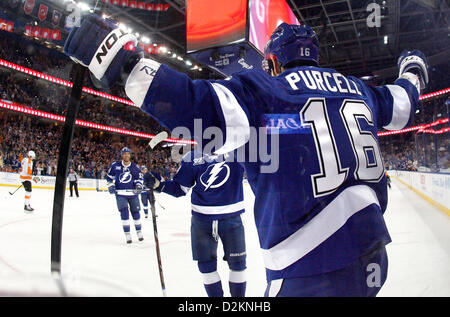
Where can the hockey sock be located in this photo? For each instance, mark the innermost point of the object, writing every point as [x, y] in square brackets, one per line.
[211, 278]
[237, 280]
[237, 283]
[212, 283]
[27, 198]
[126, 226]
[137, 221]
[125, 220]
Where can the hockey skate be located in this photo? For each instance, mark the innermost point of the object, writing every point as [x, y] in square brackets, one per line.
[128, 237]
[140, 235]
[27, 209]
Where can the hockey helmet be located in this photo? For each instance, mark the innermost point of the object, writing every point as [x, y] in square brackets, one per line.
[31, 154]
[125, 150]
[290, 43]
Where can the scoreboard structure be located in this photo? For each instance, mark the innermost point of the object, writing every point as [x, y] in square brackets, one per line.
[230, 35]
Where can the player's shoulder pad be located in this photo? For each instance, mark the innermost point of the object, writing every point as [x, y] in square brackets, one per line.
[115, 163]
[252, 75]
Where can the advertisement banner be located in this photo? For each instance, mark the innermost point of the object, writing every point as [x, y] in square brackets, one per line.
[48, 182]
[433, 187]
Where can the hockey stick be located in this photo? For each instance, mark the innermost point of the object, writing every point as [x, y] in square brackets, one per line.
[143, 191]
[157, 139]
[61, 172]
[15, 190]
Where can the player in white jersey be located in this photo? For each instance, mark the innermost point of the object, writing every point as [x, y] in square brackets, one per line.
[26, 172]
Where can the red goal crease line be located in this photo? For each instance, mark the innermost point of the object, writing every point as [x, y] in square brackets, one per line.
[86, 124]
[66, 83]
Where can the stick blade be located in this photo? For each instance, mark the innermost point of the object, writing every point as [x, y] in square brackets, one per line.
[158, 139]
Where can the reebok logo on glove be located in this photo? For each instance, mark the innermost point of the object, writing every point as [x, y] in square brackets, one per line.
[148, 70]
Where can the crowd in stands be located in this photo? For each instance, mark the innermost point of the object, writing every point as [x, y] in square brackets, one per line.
[92, 152]
[27, 53]
[48, 97]
[420, 151]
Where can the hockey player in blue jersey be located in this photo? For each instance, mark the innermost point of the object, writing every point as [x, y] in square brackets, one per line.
[125, 180]
[217, 202]
[319, 216]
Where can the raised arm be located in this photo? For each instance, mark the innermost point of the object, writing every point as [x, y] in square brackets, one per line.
[169, 96]
[396, 104]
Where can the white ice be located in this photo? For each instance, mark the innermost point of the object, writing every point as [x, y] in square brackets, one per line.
[97, 261]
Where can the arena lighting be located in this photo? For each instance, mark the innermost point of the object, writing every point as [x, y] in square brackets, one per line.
[86, 124]
[418, 128]
[19, 108]
[64, 82]
[83, 6]
[441, 131]
[435, 94]
[57, 80]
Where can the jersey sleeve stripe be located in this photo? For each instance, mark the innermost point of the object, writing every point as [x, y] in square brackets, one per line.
[140, 79]
[237, 126]
[320, 228]
[401, 108]
[185, 189]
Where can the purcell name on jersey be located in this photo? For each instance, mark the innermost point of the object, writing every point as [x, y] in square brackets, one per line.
[313, 213]
[124, 177]
[217, 190]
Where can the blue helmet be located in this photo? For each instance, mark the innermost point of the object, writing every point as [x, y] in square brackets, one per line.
[290, 43]
[124, 150]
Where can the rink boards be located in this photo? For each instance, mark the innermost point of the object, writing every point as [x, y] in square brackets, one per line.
[433, 187]
[48, 182]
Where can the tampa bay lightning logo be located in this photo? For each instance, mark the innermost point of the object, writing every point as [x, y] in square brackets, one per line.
[125, 177]
[215, 175]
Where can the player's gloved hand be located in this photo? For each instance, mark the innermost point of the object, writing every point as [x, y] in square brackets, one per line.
[414, 62]
[153, 181]
[138, 188]
[99, 45]
[112, 189]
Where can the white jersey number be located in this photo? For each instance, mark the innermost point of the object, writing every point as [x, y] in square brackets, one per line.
[332, 175]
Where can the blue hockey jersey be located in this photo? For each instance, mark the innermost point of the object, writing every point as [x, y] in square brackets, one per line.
[124, 177]
[323, 206]
[216, 184]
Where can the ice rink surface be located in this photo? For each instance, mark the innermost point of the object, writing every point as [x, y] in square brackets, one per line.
[96, 261]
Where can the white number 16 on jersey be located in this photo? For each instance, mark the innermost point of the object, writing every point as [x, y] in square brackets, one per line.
[332, 174]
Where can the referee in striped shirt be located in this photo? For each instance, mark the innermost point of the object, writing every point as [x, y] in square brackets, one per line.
[73, 181]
